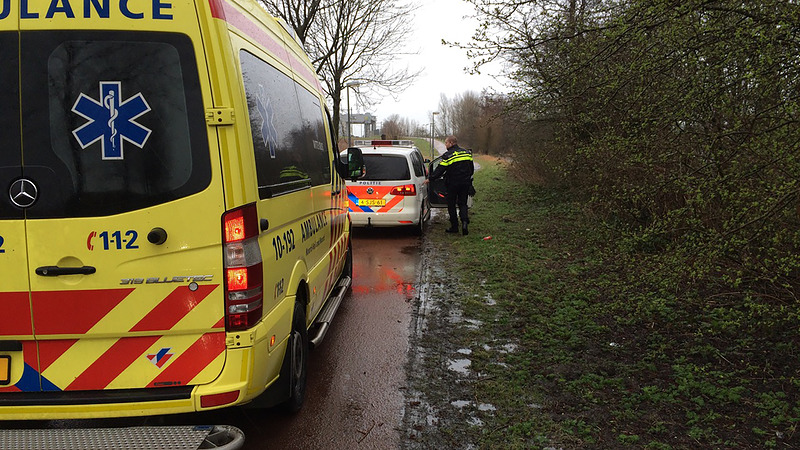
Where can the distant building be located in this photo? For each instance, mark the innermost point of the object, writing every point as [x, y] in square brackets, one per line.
[368, 120]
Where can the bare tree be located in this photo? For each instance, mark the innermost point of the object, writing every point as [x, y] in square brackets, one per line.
[299, 14]
[445, 115]
[466, 113]
[352, 42]
[393, 127]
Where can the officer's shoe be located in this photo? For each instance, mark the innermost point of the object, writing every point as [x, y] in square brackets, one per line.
[452, 229]
[464, 229]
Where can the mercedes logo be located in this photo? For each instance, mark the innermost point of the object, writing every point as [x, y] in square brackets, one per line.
[370, 191]
[23, 192]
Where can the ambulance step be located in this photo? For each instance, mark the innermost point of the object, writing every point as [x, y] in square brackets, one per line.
[329, 310]
[188, 437]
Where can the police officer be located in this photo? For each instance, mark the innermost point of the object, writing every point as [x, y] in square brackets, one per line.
[457, 169]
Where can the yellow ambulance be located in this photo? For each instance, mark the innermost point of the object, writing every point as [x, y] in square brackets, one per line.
[174, 233]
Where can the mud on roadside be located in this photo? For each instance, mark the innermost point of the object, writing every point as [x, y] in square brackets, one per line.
[441, 408]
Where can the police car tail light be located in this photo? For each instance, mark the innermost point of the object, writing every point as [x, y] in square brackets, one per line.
[406, 189]
[244, 275]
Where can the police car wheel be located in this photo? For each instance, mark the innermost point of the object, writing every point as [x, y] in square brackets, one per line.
[419, 229]
[297, 359]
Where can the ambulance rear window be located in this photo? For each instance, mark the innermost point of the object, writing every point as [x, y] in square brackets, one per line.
[386, 168]
[111, 121]
[10, 151]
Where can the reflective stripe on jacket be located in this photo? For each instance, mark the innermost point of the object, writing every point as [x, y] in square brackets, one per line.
[456, 167]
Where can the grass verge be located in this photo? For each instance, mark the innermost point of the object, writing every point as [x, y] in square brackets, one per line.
[575, 340]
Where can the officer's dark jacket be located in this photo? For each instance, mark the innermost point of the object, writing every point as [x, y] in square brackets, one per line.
[456, 166]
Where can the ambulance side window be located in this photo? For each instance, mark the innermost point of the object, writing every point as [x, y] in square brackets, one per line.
[316, 155]
[289, 140]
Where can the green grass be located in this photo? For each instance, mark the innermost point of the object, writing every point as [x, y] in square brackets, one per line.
[613, 347]
[424, 146]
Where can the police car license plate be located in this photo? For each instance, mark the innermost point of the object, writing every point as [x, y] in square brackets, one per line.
[5, 369]
[371, 202]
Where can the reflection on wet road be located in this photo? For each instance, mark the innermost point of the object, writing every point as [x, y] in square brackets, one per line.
[356, 380]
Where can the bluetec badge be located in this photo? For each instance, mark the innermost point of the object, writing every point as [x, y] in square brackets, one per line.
[110, 120]
[268, 132]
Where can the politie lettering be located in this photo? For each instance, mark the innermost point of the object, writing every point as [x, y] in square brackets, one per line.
[102, 9]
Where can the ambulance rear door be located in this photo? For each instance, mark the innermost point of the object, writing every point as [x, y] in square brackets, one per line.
[16, 331]
[123, 235]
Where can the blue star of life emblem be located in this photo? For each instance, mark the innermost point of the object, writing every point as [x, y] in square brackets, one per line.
[268, 132]
[111, 121]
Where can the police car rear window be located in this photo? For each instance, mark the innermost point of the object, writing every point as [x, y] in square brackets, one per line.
[386, 168]
[111, 121]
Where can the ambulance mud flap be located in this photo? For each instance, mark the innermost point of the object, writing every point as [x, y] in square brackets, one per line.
[326, 316]
[133, 438]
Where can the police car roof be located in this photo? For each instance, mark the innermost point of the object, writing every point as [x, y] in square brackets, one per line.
[383, 143]
[404, 147]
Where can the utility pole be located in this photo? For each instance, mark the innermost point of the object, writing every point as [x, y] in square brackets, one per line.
[350, 84]
[433, 130]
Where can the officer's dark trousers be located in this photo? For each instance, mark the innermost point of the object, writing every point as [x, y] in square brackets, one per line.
[457, 196]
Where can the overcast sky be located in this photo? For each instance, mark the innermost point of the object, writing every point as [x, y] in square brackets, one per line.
[442, 66]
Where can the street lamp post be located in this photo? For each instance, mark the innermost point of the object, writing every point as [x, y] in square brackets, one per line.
[346, 86]
[433, 129]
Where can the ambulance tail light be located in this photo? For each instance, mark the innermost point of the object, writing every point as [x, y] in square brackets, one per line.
[406, 189]
[244, 275]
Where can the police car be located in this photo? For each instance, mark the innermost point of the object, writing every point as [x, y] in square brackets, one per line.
[392, 191]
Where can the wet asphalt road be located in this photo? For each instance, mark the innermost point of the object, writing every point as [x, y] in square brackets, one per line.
[357, 376]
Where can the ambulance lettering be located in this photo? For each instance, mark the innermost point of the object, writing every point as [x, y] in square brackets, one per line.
[102, 9]
[283, 244]
[192, 279]
[313, 225]
[111, 121]
[114, 239]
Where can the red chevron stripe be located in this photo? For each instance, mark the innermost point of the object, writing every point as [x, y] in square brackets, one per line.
[73, 312]
[173, 308]
[192, 361]
[30, 353]
[50, 351]
[112, 363]
[391, 203]
[16, 317]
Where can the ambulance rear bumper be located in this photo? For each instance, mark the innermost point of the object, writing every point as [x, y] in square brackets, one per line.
[69, 398]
